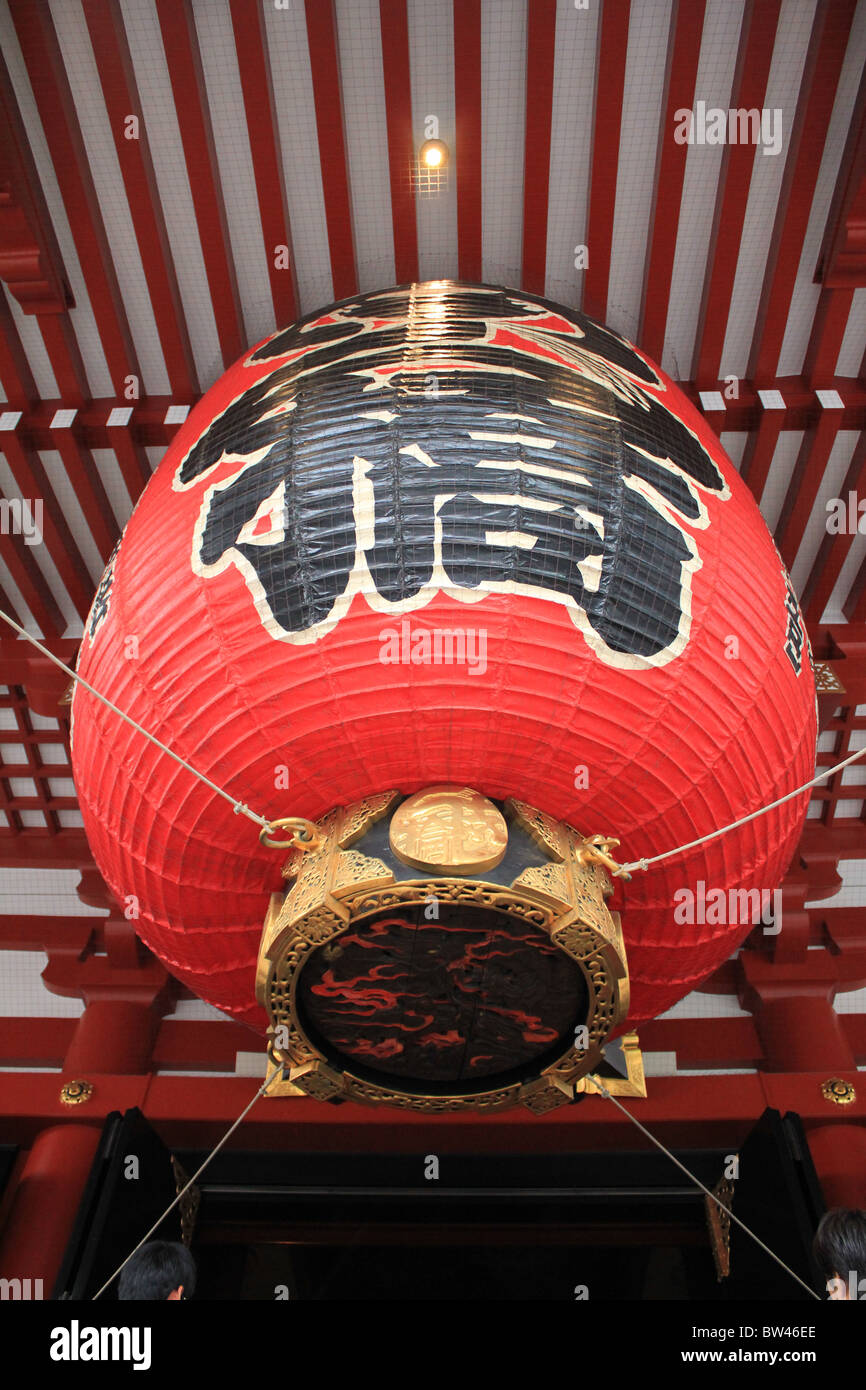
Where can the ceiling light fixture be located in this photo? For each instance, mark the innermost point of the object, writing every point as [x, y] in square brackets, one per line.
[434, 154]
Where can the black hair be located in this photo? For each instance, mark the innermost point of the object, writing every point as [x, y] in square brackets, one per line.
[156, 1270]
[839, 1246]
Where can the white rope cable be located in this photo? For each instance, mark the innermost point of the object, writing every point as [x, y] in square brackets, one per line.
[242, 1116]
[659, 1145]
[714, 834]
[238, 807]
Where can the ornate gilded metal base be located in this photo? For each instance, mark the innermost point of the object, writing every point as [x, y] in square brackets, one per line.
[719, 1225]
[632, 1083]
[443, 952]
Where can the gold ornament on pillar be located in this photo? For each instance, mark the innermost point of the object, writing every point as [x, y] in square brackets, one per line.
[76, 1092]
[839, 1092]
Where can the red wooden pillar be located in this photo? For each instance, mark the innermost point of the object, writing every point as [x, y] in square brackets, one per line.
[799, 1029]
[802, 1032]
[839, 1155]
[114, 1036]
[45, 1205]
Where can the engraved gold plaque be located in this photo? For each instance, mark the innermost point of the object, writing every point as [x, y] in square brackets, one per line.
[449, 829]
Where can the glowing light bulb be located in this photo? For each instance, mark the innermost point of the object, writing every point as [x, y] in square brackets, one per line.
[434, 154]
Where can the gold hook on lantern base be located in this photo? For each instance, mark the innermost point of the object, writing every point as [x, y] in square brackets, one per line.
[595, 849]
[306, 834]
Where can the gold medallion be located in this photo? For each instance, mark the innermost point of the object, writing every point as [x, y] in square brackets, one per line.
[839, 1092]
[449, 829]
[76, 1092]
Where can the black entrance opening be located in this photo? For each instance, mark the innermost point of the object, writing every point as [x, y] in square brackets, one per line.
[344, 1226]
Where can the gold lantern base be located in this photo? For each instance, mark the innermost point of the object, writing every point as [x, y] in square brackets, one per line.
[450, 847]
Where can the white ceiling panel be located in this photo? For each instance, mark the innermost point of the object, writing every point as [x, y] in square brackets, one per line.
[718, 57]
[225, 102]
[848, 573]
[734, 444]
[86, 89]
[299, 140]
[816, 528]
[16, 598]
[783, 86]
[648, 33]
[570, 148]
[779, 475]
[114, 484]
[853, 347]
[169, 164]
[73, 512]
[805, 297]
[362, 78]
[431, 59]
[33, 344]
[22, 992]
[83, 321]
[503, 136]
[41, 557]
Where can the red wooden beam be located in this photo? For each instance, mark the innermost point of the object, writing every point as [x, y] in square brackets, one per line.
[703, 1042]
[748, 90]
[34, 590]
[824, 61]
[29, 473]
[8, 607]
[30, 261]
[801, 409]
[186, 75]
[89, 487]
[39, 849]
[35, 932]
[190, 1112]
[43, 801]
[805, 484]
[540, 58]
[609, 88]
[120, 93]
[16, 667]
[758, 454]
[64, 354]
[15, 373]
[397, 77]
[189, 1044]
[10, 814]
[27, 1042]
[328, 98]
[825, 340]
[842, 259]
[833, 550]
[132, 460]
[467, 111]
[854, 606]
[41, 50]
[147, 424]
[684, 49]
[193, 1044]
[255, 73]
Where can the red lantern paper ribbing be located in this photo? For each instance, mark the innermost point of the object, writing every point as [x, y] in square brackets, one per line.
[451, 535]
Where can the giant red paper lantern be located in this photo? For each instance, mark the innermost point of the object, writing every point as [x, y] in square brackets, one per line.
[437, 459]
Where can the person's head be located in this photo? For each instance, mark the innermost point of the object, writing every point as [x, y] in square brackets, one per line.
[162, 1269]
[839, 1248]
